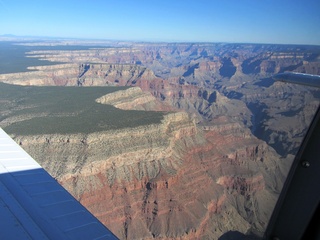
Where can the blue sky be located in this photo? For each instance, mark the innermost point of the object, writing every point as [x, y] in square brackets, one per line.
[257, 21]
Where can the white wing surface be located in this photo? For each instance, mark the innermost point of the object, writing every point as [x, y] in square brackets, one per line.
[33, 205]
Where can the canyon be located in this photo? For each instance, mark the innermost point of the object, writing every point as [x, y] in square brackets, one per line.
[210, 160]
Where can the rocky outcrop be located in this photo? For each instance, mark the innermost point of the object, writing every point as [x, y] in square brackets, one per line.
[56, 75]
[170, 180]
[134, 99]
[80, 75]
[115, 143]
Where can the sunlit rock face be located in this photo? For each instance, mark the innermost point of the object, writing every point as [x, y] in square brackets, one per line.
[134, 99]
[218, 159]
[79, 75]
[168, 180]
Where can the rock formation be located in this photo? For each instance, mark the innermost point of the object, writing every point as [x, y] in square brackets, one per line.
[171, 180]
[216, 161]
[134, 99]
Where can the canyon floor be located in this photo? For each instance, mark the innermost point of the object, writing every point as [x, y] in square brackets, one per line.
[162, 140]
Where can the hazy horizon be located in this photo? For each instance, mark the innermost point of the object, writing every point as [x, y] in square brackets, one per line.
[100, 41]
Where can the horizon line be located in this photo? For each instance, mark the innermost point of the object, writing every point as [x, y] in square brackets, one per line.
[34, 37]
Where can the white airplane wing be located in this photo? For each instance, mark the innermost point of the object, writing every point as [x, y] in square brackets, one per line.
[33, 205]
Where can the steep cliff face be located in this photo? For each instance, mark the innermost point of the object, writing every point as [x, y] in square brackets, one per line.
[80, 75]
[168, 180]
[57, 75]
[123, 75]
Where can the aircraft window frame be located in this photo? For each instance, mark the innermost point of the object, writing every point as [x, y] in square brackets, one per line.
[296, 208]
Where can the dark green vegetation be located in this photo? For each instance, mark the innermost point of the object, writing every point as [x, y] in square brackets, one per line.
[48, 110]
[13, 57]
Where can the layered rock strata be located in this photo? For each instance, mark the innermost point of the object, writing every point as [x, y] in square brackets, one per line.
[170, 180]
[134, 99]
[179, 179]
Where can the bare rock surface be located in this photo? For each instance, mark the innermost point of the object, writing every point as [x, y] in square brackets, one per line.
[134, 99]
[171, 180]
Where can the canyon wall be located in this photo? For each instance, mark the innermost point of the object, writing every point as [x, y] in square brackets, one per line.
[172, 180]
[215, 163]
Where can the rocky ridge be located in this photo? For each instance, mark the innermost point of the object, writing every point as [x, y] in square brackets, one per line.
[134, 99]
